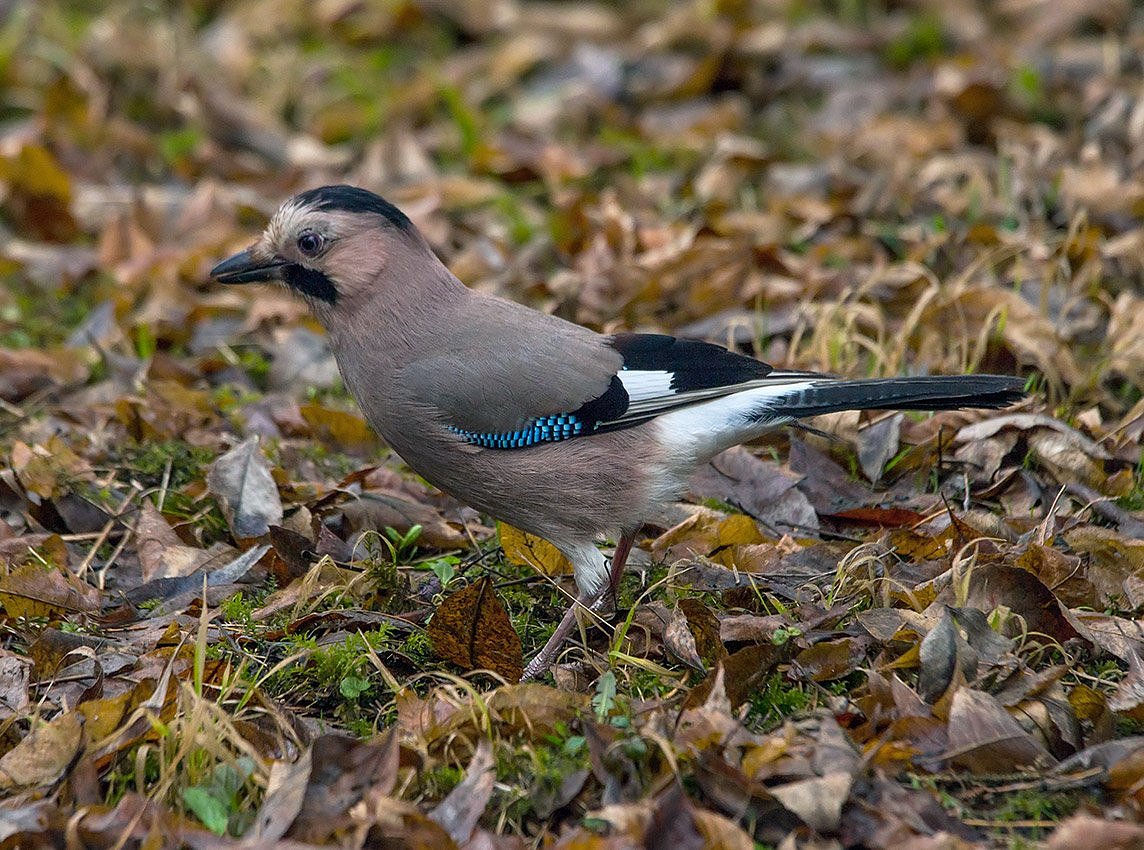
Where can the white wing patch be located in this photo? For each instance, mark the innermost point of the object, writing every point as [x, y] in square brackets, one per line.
[642, 384]
[700, 431]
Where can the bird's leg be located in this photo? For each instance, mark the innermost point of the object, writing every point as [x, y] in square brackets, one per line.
[551, 649]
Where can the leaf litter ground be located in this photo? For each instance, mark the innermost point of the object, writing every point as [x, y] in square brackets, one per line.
[230, 614]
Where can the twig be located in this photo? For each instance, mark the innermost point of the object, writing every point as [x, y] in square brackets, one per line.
[81, 571]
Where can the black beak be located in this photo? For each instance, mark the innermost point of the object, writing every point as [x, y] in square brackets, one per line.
[244, 268]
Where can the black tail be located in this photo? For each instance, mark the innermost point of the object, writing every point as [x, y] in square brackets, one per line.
[945, 392]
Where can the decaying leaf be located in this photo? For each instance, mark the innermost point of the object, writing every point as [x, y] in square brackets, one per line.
[459, 811]
[472, 629]
[43, 755]
[242, 482]
[34, 590]
[984, 738]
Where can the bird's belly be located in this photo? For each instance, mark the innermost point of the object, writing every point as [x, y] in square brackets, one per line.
[583, 486]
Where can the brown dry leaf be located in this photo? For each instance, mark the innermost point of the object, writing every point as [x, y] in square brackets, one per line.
[994, 585]
[376, 510]
[680, 642]
[818, 800]
[472, 629]
[751, 628]
[719, 833]
[342, 772]
[741, 671]
[246, 490]
[103, 716]
[535, 708]
[1129, 695]
[984, 738]
[1062, 574]
[462, 807]
[877, 444]
[704, 533]
[829, 659]
[705, 629]
[1115, 558]
[528, 550]
[942, 654]
[1115, 635]
[1027, 333]
[162, 553]
[15, 673]
[1081, 831]
[761, 488]
[34, 590]
[285, 795]
[825, 483]
[43, 754]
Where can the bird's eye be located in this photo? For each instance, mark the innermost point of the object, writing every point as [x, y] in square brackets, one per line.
[309, 243]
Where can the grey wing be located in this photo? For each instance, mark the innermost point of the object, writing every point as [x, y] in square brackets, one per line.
[512, 367]
[517, 378]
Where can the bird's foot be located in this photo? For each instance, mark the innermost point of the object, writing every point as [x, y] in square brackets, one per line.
[551, 650]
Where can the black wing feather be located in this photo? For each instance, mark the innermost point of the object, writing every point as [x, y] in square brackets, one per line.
[693, 364]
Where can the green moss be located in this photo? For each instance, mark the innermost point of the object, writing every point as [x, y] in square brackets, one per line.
[923, 39]
[775, 700]
[1031, 805]
[149, 461]
[1133, 500]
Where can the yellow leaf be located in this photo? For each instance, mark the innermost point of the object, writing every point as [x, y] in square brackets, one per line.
[342, 428]
[36, 172]
[527, 550]
[737, 529]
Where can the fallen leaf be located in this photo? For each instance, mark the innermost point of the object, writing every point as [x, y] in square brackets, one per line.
[15, 673]
[1087, 831]
[342, 772]
[336, 426]
[37, 591]
[818, 801]
[680, 642]
[285, 796]
[877, 444]
[472, 629]
[246, 490]
[462, 807]
[43, 754]
[528, 550]
[984, 738]
[705, 629]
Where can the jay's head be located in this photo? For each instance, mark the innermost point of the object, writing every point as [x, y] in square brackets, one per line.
[329, 245]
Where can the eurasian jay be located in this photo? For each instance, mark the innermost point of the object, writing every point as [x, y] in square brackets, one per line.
[560, 431]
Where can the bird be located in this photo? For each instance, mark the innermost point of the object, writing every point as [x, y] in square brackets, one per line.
[549, 426]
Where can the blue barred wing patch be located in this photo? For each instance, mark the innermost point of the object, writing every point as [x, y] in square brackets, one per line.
[543, 429]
